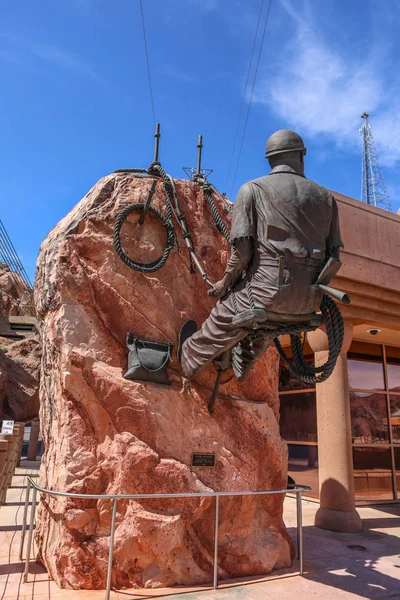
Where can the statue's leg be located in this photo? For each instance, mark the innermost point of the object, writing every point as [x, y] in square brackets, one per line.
[217, 335]
[249, 350]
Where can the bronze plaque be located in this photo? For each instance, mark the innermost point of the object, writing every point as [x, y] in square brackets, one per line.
[203, 459]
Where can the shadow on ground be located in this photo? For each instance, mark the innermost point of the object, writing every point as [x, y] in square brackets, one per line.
[366, 563]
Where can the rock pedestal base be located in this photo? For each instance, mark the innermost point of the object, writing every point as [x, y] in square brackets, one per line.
[106, 435]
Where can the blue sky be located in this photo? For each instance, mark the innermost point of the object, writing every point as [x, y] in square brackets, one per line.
[75, 101]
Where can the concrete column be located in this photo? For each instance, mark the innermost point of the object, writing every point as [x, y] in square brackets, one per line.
[20, 428]
[335, 461]
[33, 440]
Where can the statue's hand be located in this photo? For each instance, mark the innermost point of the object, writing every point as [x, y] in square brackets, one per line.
[219, 289]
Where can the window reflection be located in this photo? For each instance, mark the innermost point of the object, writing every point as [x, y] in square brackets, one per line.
[397, 467]
[288, 383]
[369, 420]
[393, 368]
[298, 417]
[365, 375]
[372, 473]
[394, 377]
[303, 466]
[395, 418]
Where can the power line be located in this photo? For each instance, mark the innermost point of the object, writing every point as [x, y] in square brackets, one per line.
[244, 94]
[251, 95]
[148, 63]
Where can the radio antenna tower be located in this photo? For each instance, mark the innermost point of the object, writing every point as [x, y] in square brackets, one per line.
[373, 185]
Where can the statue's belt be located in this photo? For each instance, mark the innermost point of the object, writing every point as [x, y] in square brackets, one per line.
[270, 261]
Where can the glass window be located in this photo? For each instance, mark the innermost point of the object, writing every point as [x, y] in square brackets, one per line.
[393, 368]
[372, 473]
[288, 383]
[397, 467]
[303, 467]
[298, 417]
[395, 418]
[365, 375]
[369, 420]
[365, 365]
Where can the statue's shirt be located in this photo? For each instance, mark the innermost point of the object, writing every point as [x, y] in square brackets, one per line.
[287, 215]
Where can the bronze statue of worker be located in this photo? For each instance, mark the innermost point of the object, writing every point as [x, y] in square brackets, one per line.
[284, 230]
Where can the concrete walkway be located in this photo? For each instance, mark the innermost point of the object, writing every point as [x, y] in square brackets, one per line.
[332, 568]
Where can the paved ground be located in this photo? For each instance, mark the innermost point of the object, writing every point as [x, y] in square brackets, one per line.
[333, 570]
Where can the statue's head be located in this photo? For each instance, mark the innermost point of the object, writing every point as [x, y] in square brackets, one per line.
[286, 147]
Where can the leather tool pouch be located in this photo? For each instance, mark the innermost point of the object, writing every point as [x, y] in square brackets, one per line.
[147, 360]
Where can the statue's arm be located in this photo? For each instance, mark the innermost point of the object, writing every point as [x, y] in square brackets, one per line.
[241, 254]
[242, 235]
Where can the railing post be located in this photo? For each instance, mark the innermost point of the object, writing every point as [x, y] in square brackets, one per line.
[299, 531]
[110, 552]
[215, 580]
[30, 536]
[28, 493]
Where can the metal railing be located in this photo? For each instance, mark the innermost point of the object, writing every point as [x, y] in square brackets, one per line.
[298, 490]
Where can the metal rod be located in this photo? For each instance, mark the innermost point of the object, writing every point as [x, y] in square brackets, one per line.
[200, 268]
[157, 135]
[148, 202]
[215, 580]
[199, 147]
[14, 254]
[297, 525]
[337, 294]
[299, 532]
[215, 392]
[303, 488]
[297, 490]
[30, 536]
[110, 552]
[28, 493]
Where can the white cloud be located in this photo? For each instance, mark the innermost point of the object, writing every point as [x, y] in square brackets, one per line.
[322, 90]
[175, 73]
[51, 54]
[66, 60]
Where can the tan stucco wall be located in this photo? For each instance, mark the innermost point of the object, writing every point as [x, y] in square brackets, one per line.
[371, 262]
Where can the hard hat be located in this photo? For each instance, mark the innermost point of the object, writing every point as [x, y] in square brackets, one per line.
[284, 140]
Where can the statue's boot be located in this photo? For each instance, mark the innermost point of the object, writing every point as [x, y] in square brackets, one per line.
[187, 330]
[249, 350]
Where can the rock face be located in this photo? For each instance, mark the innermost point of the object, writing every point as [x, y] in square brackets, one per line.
[19, 360]
[15, 296]
[104, 434]
[19, 378]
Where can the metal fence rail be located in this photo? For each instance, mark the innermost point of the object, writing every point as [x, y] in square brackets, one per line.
[298, 490]
[9, 256]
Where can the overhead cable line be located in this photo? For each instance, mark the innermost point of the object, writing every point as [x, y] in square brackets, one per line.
[251, 95]
[244, 94]
[148, 63]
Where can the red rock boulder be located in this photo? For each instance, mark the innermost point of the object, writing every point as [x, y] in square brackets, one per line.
[104, 434]
[19, 378]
